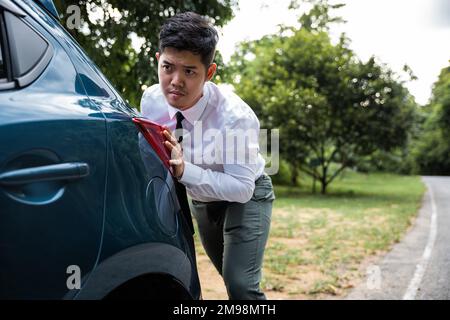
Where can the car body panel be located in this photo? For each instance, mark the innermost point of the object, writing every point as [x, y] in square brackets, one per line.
[71, 113]
[50, 122]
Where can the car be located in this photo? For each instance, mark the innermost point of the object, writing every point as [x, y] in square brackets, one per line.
[88, 209]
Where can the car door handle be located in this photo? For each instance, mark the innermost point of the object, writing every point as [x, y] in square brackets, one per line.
[61, 171]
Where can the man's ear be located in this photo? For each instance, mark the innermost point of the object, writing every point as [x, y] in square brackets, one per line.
[211, 71]
[157, 56]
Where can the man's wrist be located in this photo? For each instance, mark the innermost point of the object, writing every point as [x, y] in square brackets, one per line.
[191, 174]
[178, 177]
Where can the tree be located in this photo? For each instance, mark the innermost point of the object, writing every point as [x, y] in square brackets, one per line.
[331, 108]
[319, 17]
[108, 27]
[432, 149]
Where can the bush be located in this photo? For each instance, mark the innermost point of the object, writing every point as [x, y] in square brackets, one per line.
[397, 161]
[283, 177]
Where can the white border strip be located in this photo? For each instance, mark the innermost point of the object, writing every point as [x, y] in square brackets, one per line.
[413, 287]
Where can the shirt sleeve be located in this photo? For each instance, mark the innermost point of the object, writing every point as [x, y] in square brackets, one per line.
[237, 181]
[235, 184]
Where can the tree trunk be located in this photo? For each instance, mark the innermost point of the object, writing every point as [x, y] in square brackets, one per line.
[324, 186]
[323, 179]
[294, 175]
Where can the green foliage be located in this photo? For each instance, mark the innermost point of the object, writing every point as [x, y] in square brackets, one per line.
[395, 161]
[107, 37]
[431, 150]
[283, 177]
[330, 107]
[319, 17]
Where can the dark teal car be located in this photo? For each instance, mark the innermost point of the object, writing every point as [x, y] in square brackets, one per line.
[88, 210]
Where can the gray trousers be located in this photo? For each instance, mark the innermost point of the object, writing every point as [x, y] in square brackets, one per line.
[234, 236]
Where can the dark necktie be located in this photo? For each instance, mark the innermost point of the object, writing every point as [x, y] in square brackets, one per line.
[179, 187]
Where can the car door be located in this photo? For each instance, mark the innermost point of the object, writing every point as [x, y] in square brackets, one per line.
[52, 164]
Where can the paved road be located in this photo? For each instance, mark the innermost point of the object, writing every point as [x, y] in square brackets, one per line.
[419, 266]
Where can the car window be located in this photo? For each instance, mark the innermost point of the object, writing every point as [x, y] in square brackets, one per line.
[26, 45]
[90, 76]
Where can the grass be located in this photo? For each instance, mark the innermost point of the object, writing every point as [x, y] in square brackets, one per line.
[318, 244]
[323, 239]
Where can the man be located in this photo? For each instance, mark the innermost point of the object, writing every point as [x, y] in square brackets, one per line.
[231, 200]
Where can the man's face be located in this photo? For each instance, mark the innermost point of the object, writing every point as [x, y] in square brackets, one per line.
[182, 76]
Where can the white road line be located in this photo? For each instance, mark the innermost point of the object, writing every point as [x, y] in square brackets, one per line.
[413, 287]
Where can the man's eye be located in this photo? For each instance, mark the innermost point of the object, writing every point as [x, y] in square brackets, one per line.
[166, 67]
[190, 72]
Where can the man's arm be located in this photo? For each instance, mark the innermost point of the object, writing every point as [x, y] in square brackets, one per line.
[235, 184]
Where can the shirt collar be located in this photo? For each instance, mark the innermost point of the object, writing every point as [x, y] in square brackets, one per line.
[193, 113]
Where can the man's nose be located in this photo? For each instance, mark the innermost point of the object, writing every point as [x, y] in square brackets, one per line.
[177, 80]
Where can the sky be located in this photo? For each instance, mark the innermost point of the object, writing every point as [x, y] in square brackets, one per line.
[397, 32]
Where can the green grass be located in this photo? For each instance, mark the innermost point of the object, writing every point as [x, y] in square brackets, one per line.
[330, 235]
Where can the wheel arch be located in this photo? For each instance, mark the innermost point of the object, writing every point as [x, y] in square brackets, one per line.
[144, 262]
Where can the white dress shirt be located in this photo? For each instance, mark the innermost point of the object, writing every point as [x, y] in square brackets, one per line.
[216, 167]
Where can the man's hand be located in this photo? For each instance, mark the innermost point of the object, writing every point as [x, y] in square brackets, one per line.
[176, 153]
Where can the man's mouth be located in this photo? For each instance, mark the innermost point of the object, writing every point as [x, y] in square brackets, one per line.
[176, 93]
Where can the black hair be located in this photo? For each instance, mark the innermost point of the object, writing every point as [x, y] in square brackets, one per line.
[192, 32]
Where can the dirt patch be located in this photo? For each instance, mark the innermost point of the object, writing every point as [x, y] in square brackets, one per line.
[297, 265]
[211, 282]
